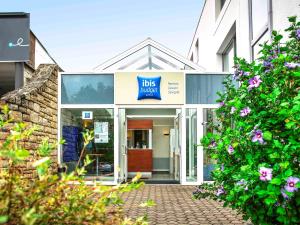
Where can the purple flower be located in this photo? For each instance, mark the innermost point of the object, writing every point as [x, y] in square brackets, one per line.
[291, 184]
[298, 34]
[221, 104]
[265, 173]
[230, 150]
[232, 110]
[258, 136]
[239, 73]
[283, 193]
[212, 144]
[243, 183]
[245, 111]
[222, 167]
[292, 65]
[254, 82]
[267, 63]
[220, 191]
[198, 191]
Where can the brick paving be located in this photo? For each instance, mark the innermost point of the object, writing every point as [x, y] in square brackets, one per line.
[174, 205]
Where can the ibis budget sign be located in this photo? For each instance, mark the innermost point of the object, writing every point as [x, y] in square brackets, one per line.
[149, 88]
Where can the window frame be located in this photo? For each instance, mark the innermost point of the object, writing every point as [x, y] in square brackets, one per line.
[232, 43]
[266, 28]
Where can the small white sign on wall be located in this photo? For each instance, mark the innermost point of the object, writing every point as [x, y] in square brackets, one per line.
[87, 115]
[101, 132]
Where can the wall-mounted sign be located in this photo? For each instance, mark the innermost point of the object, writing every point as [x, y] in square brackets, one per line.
[14, 37]
[101, 132]
[87, 115]
[170, 90]
[149, 88]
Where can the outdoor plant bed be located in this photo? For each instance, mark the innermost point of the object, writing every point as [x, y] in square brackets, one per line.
[51, 198]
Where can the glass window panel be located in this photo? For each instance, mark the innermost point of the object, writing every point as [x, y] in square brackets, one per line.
[203, 88]
[228, 58]
[257, 48]
[191, 145]
[209, 118]
[100, 149]
[259, 16]
[87, 89]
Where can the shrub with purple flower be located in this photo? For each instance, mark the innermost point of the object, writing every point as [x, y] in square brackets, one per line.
[258, 149]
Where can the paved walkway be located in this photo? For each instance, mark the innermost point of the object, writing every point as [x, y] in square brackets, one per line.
[174, 205]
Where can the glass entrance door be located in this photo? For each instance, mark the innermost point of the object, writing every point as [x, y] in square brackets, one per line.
[177, 145]
[191, 145]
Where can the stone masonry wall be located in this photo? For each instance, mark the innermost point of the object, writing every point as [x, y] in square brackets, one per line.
[35, 104]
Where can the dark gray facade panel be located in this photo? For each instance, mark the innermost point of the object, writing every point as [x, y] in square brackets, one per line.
[14, 37]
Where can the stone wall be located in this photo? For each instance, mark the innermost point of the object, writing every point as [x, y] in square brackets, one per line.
[35, 104]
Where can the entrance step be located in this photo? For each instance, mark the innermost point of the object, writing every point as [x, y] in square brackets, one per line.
[146, 181]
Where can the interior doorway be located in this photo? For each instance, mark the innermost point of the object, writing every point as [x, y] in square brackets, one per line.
[150, 144]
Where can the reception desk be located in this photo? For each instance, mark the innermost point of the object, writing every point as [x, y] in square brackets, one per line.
[140, 160]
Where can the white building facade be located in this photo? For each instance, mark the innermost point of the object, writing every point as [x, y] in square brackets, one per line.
[228, 28]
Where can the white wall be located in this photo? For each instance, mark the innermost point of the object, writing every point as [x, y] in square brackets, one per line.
[41, 56]
[283, 9]
[161, 143]
[215, 29]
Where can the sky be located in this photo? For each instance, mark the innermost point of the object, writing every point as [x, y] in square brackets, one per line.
[81, 34]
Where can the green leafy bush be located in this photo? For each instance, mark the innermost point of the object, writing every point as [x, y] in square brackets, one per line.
[256, 143]
[50, 199]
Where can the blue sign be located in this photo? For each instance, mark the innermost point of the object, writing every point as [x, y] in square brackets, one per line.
[149, 88]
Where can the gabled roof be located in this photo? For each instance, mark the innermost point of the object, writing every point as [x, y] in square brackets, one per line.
[150, 55]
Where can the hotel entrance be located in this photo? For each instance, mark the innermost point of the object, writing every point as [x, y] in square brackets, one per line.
[148, 109]
[150, 143]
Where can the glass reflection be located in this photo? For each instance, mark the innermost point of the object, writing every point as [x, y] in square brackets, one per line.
[87, 89]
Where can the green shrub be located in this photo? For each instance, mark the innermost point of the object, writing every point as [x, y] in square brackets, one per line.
[256, 143]
[50, 199]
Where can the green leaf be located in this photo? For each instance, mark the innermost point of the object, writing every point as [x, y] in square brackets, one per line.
[296, 74]
[275, 181]
[270, 200]
[22, 154]
[41, 161]
[292, 19]
[278, 37]
[148, 203]
[3, 219]
[288, 173]
[267, 135]
[262, 193]
[280, 210]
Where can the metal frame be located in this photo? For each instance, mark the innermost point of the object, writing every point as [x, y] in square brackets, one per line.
[145, 43]
[116, 108]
